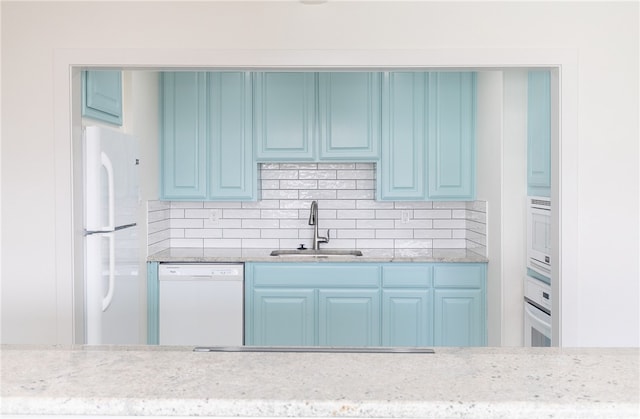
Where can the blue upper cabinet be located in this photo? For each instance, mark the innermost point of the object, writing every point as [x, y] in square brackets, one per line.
[232, 171]
[451, 140]
[207, 143]
[402, 169]
[539, 133]
[349, 115]
[102, 95]
[428, 137]
[184, 137]
[284, 119]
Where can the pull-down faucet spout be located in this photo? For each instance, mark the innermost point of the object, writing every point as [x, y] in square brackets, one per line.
[313, 220]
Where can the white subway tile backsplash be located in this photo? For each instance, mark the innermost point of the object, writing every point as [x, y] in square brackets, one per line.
[394, 234]
[280, 194]
[317, 174]
[223, 243]
[449, 243]
[355, 234]
[357, 214]
[279, 213]
[388, 214]
[279, 174]
[244, 233]
[298, 184]
[241, 213]
[337, 184]
[268, 184]
[260, 243]
[280, 233]
[204, 233]
[432, 234]
[187, 223]
[375, 224]
[375, 243]
[260, 223]
[346, 199]
[413, 243]
[264, 203]
[432, 214]
[449, 224]
[317, 194]
[355, 174]
[355, 194]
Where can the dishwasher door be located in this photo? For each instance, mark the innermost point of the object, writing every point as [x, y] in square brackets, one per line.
[201, 304]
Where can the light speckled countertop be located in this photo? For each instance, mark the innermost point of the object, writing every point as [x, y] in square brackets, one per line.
[470, 383]
[186, 254]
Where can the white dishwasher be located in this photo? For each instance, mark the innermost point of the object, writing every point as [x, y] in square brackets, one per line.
[201, 304]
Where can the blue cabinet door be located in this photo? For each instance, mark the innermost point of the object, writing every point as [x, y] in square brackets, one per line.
[285, 108]
[232, 171]
[349, 115]
[401, 174]
[407, 317]
[283, 317]
[539, 133]
[460, 313]
[102, 95]
[451, 139]
[407, 304]
[349, 317]
[184, 137]
[459, 317]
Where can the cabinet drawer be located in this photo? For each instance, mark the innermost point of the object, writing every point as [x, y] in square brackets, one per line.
[459, 275]
[316, 275]
[407, 275]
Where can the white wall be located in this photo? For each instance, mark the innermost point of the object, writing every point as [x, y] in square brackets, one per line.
[599, 150]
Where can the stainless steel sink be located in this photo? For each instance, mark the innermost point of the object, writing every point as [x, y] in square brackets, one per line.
[322, 253]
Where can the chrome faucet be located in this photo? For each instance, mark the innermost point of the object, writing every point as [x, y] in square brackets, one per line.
[313, 221]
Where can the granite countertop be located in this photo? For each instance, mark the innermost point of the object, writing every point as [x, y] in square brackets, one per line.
[453, 382]
[186, 254]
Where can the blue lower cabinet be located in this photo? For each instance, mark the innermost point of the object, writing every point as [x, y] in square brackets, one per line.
[365, 304]
[459, 301]
[407, 317]
[459, 318]
[283, 317]
[349, 317]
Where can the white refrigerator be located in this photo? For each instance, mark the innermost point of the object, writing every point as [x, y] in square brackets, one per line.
[111, 195]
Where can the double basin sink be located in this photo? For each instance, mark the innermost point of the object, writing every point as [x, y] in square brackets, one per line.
[318, 254]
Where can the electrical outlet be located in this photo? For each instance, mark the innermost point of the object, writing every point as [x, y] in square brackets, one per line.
[214, 216]
[406, 216]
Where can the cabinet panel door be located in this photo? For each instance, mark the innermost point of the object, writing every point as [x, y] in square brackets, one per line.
[284, 116]
[102, 95]
[184, 139]
[539, 133]
[407, 317]
[349, 317]
[402, 169]
[232, 171]
[459, 317]
[283, 317]
[451, 150]
[349, 115]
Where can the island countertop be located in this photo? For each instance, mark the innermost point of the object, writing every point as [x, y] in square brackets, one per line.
[214, 255]
[452, 382]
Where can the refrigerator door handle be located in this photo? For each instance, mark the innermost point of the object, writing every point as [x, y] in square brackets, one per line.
[106, 163]
[106, 301]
